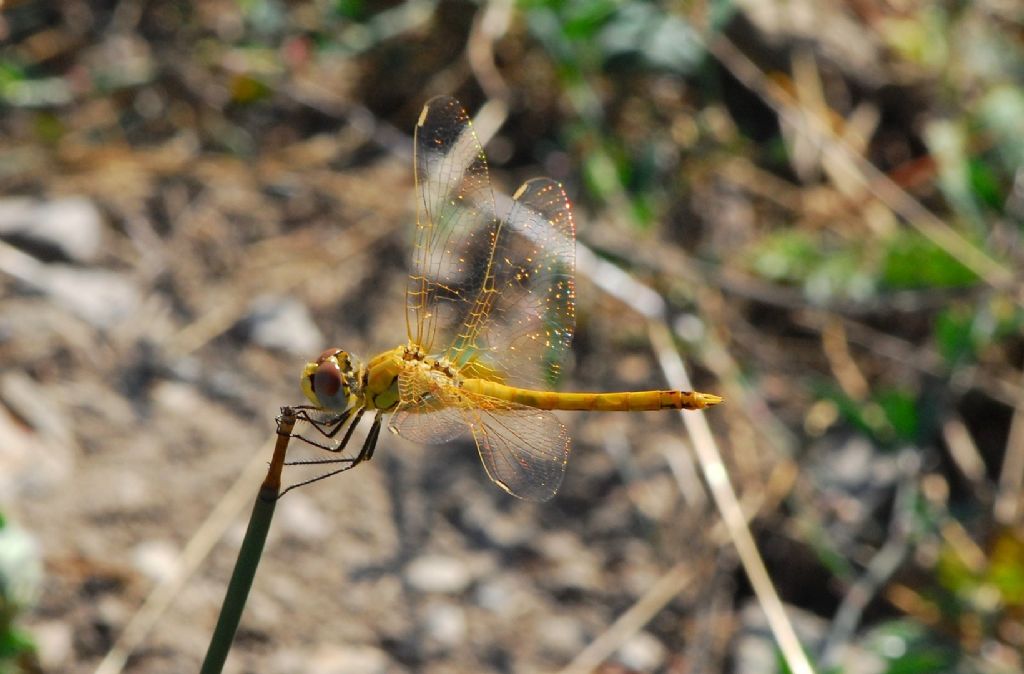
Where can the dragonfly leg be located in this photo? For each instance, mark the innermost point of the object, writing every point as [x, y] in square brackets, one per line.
[365, 453]
[370, 444]
[327, 428]
[348, 466]
[331, 429]
[351, 428]
[317, 462]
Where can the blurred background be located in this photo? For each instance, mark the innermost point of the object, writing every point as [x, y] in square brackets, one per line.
[823, 201]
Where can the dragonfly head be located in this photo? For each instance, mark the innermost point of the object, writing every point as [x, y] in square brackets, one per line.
[332, 380]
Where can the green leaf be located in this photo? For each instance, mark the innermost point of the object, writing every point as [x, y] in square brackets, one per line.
[599, 174]
[913, 261]
[925, 661]
[909, 648]
[889, 417]
[10, 73]
[786, 255]
[1006, 568]
[852, 411]
[351, 9]
[985, 185]
[642, 209]
[585, 19]
[901, 411]
[13, 644]
[953, 333]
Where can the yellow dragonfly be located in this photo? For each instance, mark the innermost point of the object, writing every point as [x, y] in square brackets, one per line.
[489, 315]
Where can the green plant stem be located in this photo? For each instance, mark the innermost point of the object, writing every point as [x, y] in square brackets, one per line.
[249, 554]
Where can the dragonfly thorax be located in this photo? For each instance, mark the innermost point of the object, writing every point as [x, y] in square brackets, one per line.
[443, 365]
[334, 381]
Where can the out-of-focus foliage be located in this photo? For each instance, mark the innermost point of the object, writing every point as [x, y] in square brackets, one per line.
[905, 647]
[20, 580]
[598, 44]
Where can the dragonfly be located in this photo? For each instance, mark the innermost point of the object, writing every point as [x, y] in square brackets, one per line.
[490, 314]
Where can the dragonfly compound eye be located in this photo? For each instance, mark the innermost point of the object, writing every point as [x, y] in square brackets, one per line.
[332, 380]
[331, 353]
[327, 381]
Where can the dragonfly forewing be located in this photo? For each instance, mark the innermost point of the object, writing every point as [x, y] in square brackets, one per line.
[524, 328]
[491, 289]
[454, 222]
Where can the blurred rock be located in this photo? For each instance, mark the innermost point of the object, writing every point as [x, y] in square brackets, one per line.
[502, 595]
[445, 623]
[560, 636]
[354, 659]
[848, 465]
[68, 228]
[438, 573]
[53, 643]
[572, 565]
[643, 652]
[158, 560]
[102, 298]
[505, 528]
[301, 517]
[284, 324]
[176, 398]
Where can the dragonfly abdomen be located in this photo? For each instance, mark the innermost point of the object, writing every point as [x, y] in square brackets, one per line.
[625, 401]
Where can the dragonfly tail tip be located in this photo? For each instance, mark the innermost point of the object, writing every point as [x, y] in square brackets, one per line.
[709, 399]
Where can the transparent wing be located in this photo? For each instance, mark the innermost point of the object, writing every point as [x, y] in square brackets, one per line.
[492, 292]
[522, 324]
[454, 223]
[429, 411]
[524, 450]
